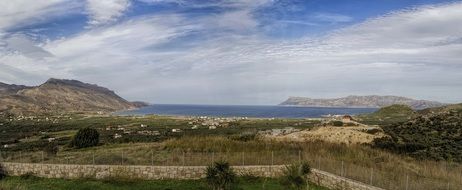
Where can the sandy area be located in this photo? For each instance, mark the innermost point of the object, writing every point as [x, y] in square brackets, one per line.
[346, 135]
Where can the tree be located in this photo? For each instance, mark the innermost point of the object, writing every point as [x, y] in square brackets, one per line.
[295, 175]
[86, 137]
[220, 176]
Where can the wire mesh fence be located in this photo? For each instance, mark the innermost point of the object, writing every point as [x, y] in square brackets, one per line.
[445, 176]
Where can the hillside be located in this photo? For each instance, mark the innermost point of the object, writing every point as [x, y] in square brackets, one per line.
[434, 133]
[9, 89]
[361, 102]
[388, 115]
[57, 95]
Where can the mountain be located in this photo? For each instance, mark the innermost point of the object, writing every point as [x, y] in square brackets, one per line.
[56, 95]
[9, 89]
[361, 102]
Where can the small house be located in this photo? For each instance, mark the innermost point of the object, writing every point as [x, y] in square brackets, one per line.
[116, 136]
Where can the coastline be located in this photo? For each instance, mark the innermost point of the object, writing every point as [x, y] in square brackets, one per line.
[242, 111]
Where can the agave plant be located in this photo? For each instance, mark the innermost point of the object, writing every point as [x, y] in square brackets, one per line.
[220, 176]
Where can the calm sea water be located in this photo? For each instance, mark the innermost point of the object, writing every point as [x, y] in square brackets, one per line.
[243, 111]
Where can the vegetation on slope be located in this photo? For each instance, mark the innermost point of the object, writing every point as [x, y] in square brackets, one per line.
[433, 134]
[388, 115]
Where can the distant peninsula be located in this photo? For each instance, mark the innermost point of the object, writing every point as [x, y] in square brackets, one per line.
[372, 101]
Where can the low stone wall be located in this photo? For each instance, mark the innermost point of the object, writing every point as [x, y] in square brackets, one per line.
[127, 171]
[167, 172]
[332, 181]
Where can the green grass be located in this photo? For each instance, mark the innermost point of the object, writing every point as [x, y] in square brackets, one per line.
[35, 183]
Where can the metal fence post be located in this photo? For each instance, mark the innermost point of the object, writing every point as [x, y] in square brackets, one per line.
[319, 163]
[122, 162]
[272, 158]
[183, 158]
[300, 156]
[243, 161]
[93, 154]
[372, 171]
[152, 157]
[407, 181]
[43, 159]
[341, 171]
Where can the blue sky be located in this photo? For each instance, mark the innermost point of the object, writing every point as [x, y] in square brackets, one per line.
[237, 51]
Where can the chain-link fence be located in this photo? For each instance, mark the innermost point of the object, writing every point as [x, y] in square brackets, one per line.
[446, 176]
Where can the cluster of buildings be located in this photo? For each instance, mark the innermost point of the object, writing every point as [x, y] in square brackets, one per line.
[213, 122]
[54, 119]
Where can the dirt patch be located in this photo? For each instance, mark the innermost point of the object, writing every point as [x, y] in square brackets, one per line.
[345, 135]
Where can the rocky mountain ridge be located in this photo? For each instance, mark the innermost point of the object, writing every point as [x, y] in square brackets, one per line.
[372, 101]
[60, 95]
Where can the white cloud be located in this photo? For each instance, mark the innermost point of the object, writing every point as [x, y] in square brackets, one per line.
[21, 43]
[401, 53]
[105, 11]
[23, 12]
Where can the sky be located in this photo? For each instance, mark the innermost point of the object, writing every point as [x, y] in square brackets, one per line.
[257, 52]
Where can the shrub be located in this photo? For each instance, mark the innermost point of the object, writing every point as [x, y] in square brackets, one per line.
[373, 131]
[243, 137]
[51, 149]
[249, 177]
[86, 137]
[220, 176]
[337, 123]
[295, 175]
[2, 172]
[28, 175]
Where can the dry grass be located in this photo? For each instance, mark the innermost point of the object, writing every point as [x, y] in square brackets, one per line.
[388, 170]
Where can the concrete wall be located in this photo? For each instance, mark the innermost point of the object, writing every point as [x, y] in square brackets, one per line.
[167, 172]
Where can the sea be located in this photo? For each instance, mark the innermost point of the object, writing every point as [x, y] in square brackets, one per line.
[244, 111]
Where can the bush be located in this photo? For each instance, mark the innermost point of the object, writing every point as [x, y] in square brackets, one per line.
[337, 123]
[28, 175]
[220, 176]
[86, 137]
[51, 149]
[243, 137]
[2, 172]
[295, 175]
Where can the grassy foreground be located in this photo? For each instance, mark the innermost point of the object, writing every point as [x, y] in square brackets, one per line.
[35, 183]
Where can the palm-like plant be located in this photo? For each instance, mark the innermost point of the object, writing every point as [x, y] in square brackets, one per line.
[295, 175]
[220, 176]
